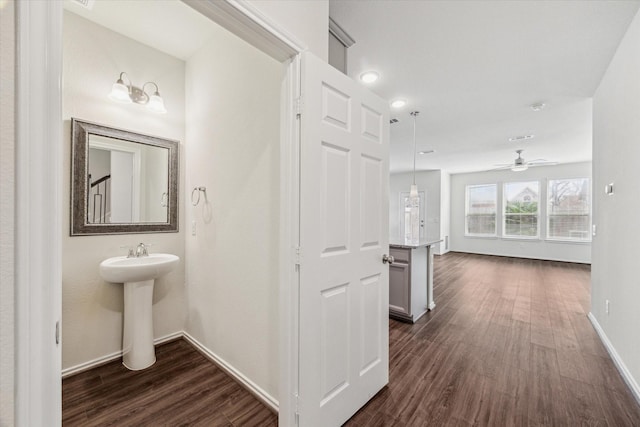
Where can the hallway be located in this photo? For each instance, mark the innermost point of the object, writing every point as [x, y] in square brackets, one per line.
[508, 344]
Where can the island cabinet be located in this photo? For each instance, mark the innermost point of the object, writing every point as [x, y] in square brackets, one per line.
[411, 280]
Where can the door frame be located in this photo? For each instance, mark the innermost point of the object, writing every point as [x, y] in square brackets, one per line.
[38, 212]
[38, 244]
[137, 156]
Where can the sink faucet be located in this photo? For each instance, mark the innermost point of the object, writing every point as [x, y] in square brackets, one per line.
[141, 250]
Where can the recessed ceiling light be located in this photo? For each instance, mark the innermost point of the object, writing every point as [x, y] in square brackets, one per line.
[369, 77]
[538, 106]
[398, 103]
[426, 152]
[520, 138]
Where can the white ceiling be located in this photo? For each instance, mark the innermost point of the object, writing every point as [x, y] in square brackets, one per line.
[168, 26]
[473, 68]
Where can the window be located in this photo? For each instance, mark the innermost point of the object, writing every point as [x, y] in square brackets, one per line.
[568, 209]
[481, 210]
[521, 209]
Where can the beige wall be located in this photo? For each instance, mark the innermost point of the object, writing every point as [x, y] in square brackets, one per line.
[307, 21]
[92, 308]
[616, 150]
[233, 137]
[7, 169]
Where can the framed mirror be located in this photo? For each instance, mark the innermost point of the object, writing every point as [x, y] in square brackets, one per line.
[122, 182]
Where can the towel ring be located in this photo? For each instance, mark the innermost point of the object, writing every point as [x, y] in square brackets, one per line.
[197, 191]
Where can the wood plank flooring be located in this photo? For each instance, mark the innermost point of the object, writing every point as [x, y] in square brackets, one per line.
[508, 344]
[183, 388]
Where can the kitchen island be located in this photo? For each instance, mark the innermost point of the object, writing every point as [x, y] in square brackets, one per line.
[411, 279]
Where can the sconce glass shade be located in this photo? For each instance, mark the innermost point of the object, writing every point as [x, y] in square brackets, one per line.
[120, 92]
[156, 104]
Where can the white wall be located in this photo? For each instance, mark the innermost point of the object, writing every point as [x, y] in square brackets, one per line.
[307, 21]
[233, 137]
[616, 150]
[7, 180]
[91, 308]
[431, 183]
[539, 249]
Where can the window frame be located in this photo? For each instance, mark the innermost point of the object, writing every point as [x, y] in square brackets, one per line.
[503, 208]
[588, 238]
[466, 212]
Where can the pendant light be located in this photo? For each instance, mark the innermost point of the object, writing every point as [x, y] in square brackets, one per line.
[414, 187]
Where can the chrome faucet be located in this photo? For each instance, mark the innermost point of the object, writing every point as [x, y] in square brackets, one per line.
[141, 250]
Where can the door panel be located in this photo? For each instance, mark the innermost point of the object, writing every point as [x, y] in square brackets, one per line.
[344, 286]
[371, 322]
[335, 198]
[370, 193]
[335, 341]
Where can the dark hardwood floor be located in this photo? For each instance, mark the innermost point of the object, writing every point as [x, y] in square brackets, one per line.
[183, 388]
[508, 344]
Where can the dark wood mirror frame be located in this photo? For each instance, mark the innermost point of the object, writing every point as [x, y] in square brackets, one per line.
[80, 131]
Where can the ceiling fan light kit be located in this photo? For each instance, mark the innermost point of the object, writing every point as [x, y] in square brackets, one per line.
[520, 164]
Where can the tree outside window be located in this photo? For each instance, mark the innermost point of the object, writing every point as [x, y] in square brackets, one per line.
[569, 209]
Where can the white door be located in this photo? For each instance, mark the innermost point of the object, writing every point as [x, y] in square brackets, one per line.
[344, 233]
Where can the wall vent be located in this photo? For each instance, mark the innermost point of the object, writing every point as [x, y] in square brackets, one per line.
[87, 4]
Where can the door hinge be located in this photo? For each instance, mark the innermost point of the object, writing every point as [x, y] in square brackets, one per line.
[299, 104]
[298, 255]
[58, 332]
[297, 418]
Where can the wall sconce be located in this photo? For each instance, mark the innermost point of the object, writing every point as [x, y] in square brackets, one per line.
[128, 93]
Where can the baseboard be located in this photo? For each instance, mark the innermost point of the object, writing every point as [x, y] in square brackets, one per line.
[73, 370]
[622, 368]
[252, 387]
[522, 257]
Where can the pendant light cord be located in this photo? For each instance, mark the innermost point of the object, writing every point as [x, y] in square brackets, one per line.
[414, 114]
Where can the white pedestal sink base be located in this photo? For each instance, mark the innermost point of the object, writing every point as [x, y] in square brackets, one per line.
[138, 351]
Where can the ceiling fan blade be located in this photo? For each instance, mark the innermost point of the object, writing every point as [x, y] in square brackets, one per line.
[545, 163]
[503, 164]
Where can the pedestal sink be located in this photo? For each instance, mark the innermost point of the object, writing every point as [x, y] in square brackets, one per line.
[138, 275]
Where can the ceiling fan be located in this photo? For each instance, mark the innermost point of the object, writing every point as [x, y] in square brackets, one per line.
[520, 164]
